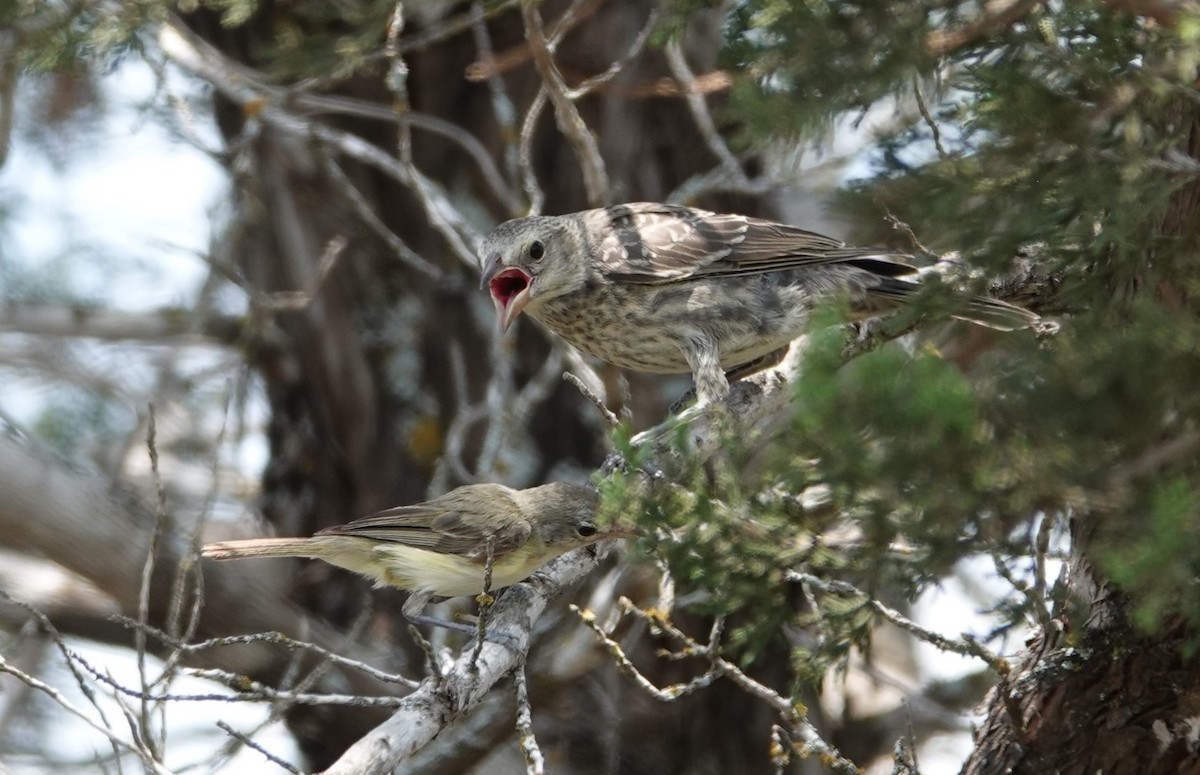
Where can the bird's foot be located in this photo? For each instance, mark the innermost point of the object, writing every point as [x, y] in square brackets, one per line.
[471, 628]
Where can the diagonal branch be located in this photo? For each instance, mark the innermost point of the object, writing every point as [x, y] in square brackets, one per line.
[595, 178]
[993, 17]
[423, 714]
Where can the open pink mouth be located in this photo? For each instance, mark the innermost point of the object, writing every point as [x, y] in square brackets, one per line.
[510, 294]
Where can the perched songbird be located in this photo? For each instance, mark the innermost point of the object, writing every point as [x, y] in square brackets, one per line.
[440, 547]
[671, 289]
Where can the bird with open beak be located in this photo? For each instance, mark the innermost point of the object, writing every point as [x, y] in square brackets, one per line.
[670, 289]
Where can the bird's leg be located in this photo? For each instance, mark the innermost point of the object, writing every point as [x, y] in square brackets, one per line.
[700, 352]
[413, 613]
[741, 371]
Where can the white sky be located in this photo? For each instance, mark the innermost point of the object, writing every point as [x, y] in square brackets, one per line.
[128, 189]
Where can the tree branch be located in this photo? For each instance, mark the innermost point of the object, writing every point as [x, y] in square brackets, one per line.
[428, 710]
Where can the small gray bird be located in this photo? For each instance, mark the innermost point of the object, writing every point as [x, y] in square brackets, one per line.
[671, 289]
[439, 548]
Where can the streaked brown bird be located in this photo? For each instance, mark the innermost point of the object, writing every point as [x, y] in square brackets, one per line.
[439, 548]
[671, 289]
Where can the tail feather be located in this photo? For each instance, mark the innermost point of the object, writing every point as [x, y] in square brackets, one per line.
[980, 310]
[260, 547]
[1000, 315]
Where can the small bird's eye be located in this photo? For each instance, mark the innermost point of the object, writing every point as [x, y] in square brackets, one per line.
[537, 250]
[586, 531]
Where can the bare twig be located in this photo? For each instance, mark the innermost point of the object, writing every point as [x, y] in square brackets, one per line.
[189, 566]
[275, 638]
[366, 214]
[621, 62]
[161, 524]
[788, 710]
[243, 86]
[729, 164]
[533, 190]
[992, 18]
[463, 688]
[485, 599]
[244, 689]
[285, 301]
[665, 694]
[349, 106]
[165, 325]
[535, 763]
[145, 756]
[595, 178]
[934, 131]
[966, 646]
[503, 109]
[497, 64]
[249, 743]
[610, 419]
[514, 410]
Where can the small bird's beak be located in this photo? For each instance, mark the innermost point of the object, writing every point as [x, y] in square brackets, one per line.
[491, 267]
[509, 288]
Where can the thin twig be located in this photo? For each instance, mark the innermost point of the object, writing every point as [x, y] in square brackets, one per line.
[934, 131]
[246, 741]
[621, 62]
[587, 151]
[535, 763]
[786, 708]
[992, 18]
[289, 301]
[244, 690]
[701, 116]
[966, 646]
[503, 109]
[533, 189]
[189, 566]
[607, 415]
[349, 106]
[149, 761]
[159, 529]
[1040, 549]
[485, 600]
[366, 214]
[57, 639]
[515, 411]
[272, 638]
[666, 694]
[243, 86]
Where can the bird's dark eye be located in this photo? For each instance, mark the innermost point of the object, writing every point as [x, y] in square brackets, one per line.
[537, 250]
[585, 530]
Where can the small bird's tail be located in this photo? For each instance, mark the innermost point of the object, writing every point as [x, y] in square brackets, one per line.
[260, 547]
[980, 310]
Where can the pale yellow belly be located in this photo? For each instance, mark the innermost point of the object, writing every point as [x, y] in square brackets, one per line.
[420, 570]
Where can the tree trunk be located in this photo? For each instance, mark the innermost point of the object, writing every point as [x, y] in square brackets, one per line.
[364, 388]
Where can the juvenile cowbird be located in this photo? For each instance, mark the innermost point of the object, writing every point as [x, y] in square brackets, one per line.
[439, 547]
[670, 289]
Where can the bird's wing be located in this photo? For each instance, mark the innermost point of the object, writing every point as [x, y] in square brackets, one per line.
[645, 242]
[442, 525]
[460, 537]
